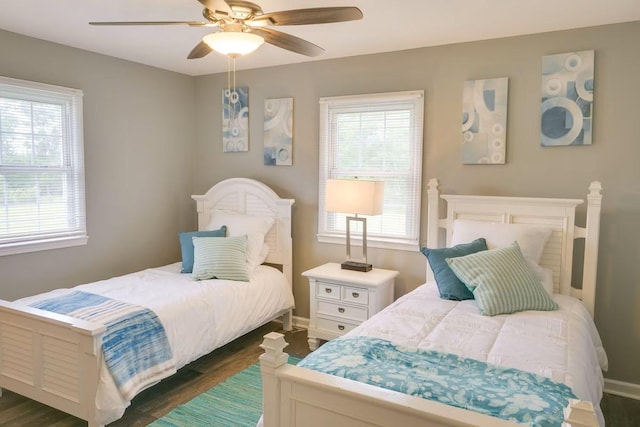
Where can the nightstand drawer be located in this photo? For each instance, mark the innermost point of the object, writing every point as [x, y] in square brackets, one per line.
[340, 300]
[334, 326]
[344, 311]
[328, 290]
[355, 295]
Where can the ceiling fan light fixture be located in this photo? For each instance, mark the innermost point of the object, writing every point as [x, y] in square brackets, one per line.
[233, 43]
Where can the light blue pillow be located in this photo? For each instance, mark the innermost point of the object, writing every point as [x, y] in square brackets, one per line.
[186, 245]
[220, 258]
[502, 281]
[449, 286]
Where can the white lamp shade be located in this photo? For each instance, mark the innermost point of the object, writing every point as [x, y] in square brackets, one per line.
[233, 43]
[354, 196]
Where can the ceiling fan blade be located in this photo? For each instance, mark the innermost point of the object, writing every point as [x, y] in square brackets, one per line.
[201, 50]
[318, 15]
[190, 23]
[288, 42]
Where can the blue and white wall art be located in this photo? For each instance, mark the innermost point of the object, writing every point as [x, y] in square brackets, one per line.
[235, 119]
[567, 99]
[278, 132]
[484, 121]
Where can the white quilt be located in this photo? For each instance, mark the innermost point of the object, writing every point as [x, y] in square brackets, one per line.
[198, 316]
[563, 344]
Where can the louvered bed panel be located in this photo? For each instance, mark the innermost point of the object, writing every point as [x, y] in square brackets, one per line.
[43, 356]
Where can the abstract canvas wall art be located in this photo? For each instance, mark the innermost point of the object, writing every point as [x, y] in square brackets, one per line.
[235, 119]
[567, 99]
[484, 121]
[278, 131]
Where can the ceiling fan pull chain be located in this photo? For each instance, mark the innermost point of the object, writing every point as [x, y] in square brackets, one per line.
[229, 93]
[236, 99]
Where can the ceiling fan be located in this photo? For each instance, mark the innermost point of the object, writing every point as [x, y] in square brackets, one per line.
[241, 27]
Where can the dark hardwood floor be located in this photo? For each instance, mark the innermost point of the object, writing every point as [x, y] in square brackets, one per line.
[206, 372]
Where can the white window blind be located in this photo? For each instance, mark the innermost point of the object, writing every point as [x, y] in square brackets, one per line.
[42, 202]
[377, 136]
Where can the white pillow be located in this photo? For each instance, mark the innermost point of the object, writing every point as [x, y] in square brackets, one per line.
[253, 226]
[530, 238]
[544, 275]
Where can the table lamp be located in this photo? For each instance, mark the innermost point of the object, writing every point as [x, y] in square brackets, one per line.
[356, 197]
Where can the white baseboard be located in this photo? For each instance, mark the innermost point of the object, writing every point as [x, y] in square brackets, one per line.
[620, 388]
[301, 322]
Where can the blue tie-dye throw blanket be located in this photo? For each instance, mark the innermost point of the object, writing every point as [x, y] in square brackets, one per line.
[135, 347]
[510, 394]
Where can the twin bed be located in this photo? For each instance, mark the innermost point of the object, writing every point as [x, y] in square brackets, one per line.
[472, 369]
[58, 360]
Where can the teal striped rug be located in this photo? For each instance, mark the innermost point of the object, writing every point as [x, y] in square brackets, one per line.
[235, 402]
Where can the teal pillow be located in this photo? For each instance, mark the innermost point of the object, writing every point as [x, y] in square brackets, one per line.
[501, 281]
[186, 245]
[449, 286]
[220, 258]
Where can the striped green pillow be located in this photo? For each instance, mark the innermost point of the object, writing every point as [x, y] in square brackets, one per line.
[502, 281]
[220, 258]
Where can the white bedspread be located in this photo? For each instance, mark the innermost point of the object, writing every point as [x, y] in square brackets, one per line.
[563, 345]
[198, 316]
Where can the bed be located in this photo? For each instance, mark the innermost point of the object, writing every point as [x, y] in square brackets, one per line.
[528, 343]
[61, 360]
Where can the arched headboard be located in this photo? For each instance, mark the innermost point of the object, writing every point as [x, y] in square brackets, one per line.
[558, 214]
[251, 197]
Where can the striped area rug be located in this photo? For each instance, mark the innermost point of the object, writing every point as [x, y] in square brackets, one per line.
[235, 402]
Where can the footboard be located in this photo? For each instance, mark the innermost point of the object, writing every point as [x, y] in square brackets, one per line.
[294, 396]
[51, 358]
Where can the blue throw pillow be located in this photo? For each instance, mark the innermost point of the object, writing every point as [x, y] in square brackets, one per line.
[186, 245]
[449, 285]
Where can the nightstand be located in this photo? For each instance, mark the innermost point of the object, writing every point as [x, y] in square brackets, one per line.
[339, 300]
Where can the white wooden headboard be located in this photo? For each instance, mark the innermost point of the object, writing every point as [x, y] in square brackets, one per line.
[251, 197]
[559, 214]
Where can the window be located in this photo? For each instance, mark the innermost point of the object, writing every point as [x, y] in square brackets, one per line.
[41, 167]
[379, 137]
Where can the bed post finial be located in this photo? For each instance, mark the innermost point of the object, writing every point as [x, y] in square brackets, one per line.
[591, 241]
[579, 413]
[595, 195]
[272, 358]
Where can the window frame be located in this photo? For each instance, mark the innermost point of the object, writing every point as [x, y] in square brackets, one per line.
[416, 99]
[73, 154]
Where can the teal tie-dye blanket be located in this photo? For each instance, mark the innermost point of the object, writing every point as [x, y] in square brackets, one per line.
[510, 394]
[135, 346]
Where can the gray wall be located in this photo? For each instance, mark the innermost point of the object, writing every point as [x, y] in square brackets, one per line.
[152, 138]
[530, 170]
[138, 142]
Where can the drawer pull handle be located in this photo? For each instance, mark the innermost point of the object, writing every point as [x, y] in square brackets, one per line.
[355, 294]
[341, 327]
[341, 310]
[328, 290]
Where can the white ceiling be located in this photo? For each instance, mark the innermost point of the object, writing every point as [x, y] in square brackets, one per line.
[387, 26]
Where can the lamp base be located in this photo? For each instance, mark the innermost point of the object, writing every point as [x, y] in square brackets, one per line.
[356, 266]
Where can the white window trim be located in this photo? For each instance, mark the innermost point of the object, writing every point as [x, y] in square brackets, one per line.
[73, 104]
[325, 236]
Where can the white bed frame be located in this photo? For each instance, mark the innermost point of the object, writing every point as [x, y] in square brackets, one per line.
[56, 359]
[295, 396]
